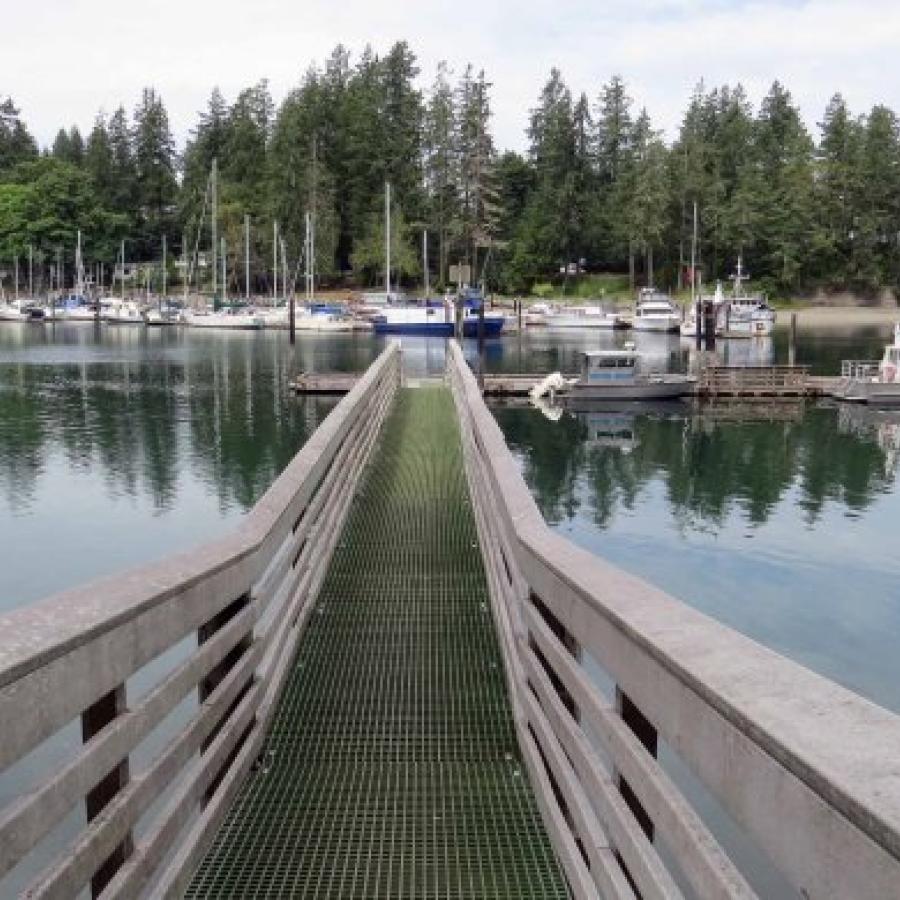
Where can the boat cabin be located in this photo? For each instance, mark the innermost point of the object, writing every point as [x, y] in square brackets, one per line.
[608, 365]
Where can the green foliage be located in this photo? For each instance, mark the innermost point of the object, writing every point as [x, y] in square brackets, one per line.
[598, 186]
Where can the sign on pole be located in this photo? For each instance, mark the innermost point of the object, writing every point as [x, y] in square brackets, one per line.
[461, 274]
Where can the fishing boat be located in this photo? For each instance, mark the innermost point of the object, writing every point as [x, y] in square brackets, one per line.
[655, 311]
[743, 315]
[876, 383]
[616, 375]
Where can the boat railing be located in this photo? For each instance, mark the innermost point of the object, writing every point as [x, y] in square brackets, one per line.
[859, 369]
[637, 715]
[152, 691]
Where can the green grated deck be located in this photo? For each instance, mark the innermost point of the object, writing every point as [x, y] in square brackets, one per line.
[392, 769]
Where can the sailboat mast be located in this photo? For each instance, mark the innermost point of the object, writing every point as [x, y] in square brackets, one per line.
[425, 258]
[215, 231]
[30, 271]
[306, 254]
[247, 256]
[164, 266]
[17, 277]
[122, 270]
[275, 263]
[224, 291]
[387, 240]
[694, 257]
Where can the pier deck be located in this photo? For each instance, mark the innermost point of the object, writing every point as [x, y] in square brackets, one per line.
[392, 768]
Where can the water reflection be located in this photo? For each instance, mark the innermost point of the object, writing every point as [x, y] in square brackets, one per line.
[119, 445]
[711, 463]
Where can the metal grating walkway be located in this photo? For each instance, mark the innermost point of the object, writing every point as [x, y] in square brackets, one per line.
[392, 769]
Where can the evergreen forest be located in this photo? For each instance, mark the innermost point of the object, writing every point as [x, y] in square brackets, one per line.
[599, 189]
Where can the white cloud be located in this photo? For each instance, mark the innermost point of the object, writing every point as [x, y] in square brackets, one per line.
[76, 58]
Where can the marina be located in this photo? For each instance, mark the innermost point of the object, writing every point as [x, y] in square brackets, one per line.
[406, 491]
[566, 463]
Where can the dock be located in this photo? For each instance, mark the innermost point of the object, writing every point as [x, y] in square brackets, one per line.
[394, 680]
[714, 383]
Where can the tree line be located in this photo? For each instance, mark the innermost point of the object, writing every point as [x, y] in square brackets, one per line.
[598, 188]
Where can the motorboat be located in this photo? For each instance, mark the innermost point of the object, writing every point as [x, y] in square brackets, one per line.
[15, 311]
[582, 317]
[233, 317]
[655, 311]
[876, 383]
[163, 314]
[121, 312]
[617, 375]
[613, 375]
[538, 314]
[426, 320]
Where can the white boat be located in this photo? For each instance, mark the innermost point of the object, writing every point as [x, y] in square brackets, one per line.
[876, 383]
[225, 318]
[584, 317]
[120, 312]
[743, 315]
[537, 314]
[14, 311]
[655, 311]
[163, 315]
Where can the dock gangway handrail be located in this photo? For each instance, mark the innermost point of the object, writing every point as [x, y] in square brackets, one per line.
[230, 613]
[602, 667]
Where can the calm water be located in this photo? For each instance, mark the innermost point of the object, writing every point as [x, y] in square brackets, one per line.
[120, 445]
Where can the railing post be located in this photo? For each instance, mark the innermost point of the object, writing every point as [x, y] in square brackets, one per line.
[93, 720]
[217, 675]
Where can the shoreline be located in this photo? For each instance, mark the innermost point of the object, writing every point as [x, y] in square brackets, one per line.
[839, 316]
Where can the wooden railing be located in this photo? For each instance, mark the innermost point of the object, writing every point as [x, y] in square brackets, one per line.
[763, 381]
[604, 670]
[70, 658]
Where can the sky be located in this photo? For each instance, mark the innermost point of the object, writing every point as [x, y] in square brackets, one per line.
[73, 58]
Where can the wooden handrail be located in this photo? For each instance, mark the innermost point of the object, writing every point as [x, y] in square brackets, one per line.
[245, 597]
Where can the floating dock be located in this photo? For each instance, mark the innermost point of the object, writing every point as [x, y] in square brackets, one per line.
[715, 382]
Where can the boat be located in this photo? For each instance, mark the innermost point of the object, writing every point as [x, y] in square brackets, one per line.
[876, 383]
[616, 375]
[538, 314]
[120, 312]
[426, 320]
[14, 311]
[242, 318]
[164, 314]
[583, 317]
[655, 311]
[742, 315]
[73, 308]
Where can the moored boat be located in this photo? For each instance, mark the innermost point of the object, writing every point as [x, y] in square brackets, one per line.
[230, 317]
[616, 375]
[655, 311]
[581, 317]
[876, 383]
